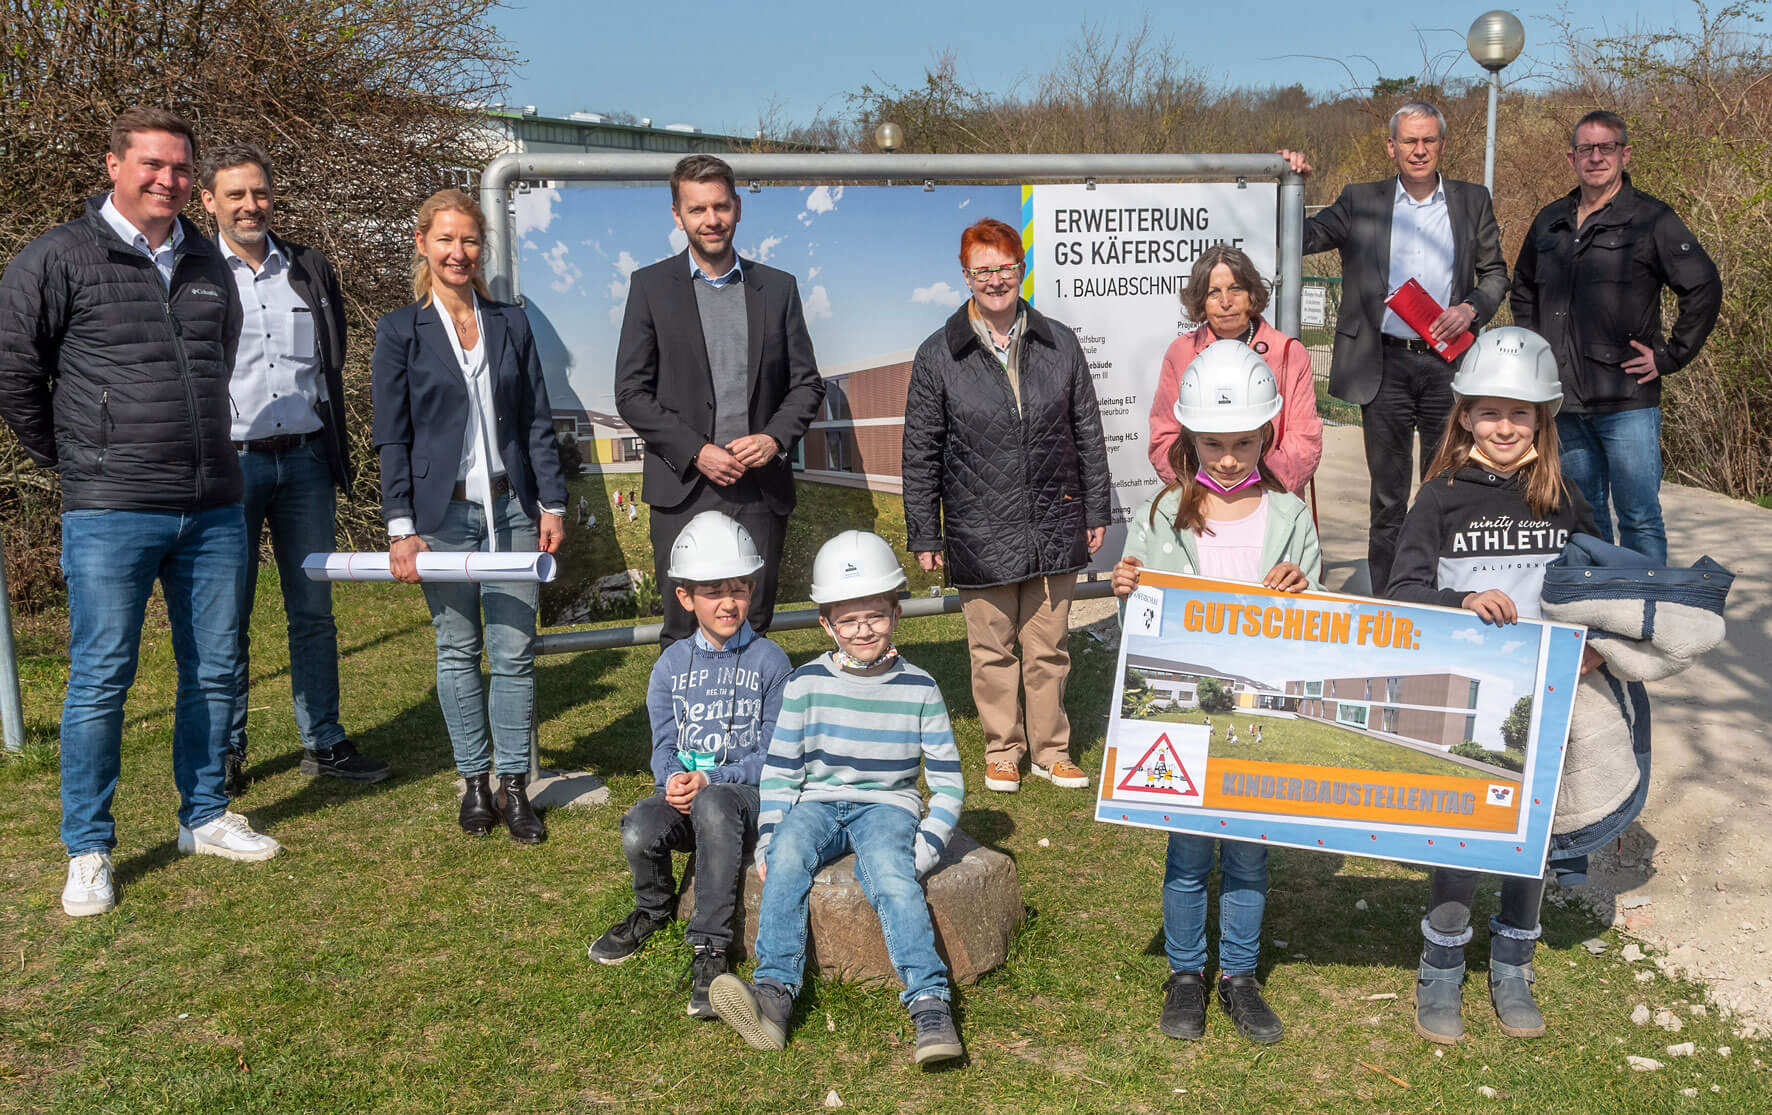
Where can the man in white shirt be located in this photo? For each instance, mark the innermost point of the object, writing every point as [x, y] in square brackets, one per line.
[288, 429]
[1441, 233]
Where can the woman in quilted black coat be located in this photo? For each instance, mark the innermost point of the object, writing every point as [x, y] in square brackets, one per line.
[1005, 474]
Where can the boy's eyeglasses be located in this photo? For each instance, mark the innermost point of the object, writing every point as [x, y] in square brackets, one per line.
[1607, 150]
[981, 274]
[850, 628]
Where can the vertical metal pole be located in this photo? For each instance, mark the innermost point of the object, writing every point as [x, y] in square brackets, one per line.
[12, 711]
[1289, 264]
[1489, 147]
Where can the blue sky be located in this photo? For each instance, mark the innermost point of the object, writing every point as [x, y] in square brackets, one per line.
[722, 67]
[877, 266]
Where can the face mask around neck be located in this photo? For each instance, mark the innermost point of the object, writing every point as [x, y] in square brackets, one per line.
[1252, 479]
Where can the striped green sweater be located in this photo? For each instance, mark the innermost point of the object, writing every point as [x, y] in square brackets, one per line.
[846, 737]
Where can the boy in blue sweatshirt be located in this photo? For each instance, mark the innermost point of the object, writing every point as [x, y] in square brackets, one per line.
[857, 727]
[713, 699]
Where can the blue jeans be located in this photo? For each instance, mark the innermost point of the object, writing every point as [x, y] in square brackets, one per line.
[111, 560]
[1620, 452]
[292, 493]
[1242, 896]
[883, 837]
[488, 728]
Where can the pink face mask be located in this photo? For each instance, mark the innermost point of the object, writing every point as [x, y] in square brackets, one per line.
[1205, 478]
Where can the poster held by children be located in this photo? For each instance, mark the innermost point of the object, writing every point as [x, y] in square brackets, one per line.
[1338, 723]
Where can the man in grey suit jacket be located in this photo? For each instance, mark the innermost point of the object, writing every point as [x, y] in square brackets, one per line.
[1421, 226]
[715, 372]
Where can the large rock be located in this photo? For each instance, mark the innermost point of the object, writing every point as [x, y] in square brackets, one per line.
[974, 897]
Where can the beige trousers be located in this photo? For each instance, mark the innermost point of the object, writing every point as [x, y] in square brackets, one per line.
[1036, 613]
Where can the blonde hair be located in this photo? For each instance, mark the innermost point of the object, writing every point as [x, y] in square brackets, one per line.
[1546, 490]
[437, 203]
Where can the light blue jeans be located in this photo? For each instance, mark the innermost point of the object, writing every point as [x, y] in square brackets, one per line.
[883, 837]
[1619, 453]
[1242, 897]
[488, 726]
[111, 560]
[292, 493]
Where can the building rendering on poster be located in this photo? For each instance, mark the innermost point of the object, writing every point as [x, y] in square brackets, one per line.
[1338, 723]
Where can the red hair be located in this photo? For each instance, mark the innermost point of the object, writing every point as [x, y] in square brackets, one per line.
[991, 233]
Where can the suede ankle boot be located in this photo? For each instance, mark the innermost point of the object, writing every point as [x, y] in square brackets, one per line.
[512, 805]
[476, 806]
[1510, 986]
[1439, 992]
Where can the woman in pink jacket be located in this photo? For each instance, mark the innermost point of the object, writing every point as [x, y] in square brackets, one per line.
[1226, 293]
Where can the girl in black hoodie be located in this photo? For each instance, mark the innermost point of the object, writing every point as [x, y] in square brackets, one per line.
[1494, 510]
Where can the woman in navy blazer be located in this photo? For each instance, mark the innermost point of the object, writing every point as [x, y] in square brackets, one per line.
[469, 462]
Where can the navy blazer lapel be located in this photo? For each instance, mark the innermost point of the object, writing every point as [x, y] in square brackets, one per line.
[682, 307]
[753, 304]
[433, 339]
[492, 329]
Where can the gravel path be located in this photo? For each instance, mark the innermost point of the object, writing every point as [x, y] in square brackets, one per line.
[1691, 877]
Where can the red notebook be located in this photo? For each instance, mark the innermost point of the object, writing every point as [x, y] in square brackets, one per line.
[1418, 310]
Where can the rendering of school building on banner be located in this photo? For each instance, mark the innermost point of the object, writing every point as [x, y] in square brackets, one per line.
[1436, 709]
[1178, 684]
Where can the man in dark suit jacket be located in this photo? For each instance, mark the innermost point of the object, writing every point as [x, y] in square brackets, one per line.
[715, 372]
[1421, 226]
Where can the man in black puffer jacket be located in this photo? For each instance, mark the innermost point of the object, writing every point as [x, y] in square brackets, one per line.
[117, 336]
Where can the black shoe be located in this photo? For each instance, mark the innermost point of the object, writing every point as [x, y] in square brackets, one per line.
[1240, 996]
[476, 806]
[704, 966]
[1184, 1006]
[234, 780]
[624, 938]
[512, 804]
[758, 1011]
[342, 760]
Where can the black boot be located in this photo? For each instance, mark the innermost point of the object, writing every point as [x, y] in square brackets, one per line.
[512, 805]
[476, 806]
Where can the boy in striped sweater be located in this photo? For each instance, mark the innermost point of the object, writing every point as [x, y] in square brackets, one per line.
[856, 726]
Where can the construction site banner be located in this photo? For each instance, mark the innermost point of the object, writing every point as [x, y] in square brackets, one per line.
[1111, 262]
[1338, 723]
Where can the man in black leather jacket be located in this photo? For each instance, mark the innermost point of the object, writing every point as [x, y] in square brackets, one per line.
[1589, 281]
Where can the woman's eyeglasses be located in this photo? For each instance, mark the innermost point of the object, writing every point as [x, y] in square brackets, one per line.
[982, 274]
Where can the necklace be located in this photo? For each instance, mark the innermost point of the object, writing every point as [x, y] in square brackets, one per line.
[1250, 339]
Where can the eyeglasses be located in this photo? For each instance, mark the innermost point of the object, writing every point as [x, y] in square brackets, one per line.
[1605, 150]
[850, 628]
[982, 274]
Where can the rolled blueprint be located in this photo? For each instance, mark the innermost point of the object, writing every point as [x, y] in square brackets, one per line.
[434, 566]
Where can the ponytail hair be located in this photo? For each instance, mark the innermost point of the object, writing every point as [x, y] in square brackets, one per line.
[421, 267]
[1184, 461]
[1546, 490]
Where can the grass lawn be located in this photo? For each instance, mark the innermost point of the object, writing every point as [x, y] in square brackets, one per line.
[1323, 745]
[386, 962]
[1333, 409]
[823, 510]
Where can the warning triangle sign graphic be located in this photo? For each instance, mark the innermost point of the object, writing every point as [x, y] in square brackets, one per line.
[1160, 771]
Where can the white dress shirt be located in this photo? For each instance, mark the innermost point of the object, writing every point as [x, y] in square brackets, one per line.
[276, 386]
[163, 256]
[481, 463]
[1421, 249]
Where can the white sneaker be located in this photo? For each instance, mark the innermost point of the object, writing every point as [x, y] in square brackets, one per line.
[228, 836]
[89, 890]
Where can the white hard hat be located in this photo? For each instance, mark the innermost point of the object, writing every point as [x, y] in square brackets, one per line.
[1227, 389]
[852, 565]
[1510, 363]
[713, 547]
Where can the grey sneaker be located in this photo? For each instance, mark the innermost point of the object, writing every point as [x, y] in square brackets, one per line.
[758, 1011]
[937, 1039]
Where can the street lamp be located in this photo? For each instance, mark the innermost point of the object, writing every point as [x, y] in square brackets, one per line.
[889, 136]
[1494, 40]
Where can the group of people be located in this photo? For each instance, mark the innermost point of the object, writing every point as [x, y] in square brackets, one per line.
[188, 392]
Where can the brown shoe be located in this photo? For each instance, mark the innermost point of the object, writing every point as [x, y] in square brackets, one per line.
[1063, 773]
[1002, 777]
